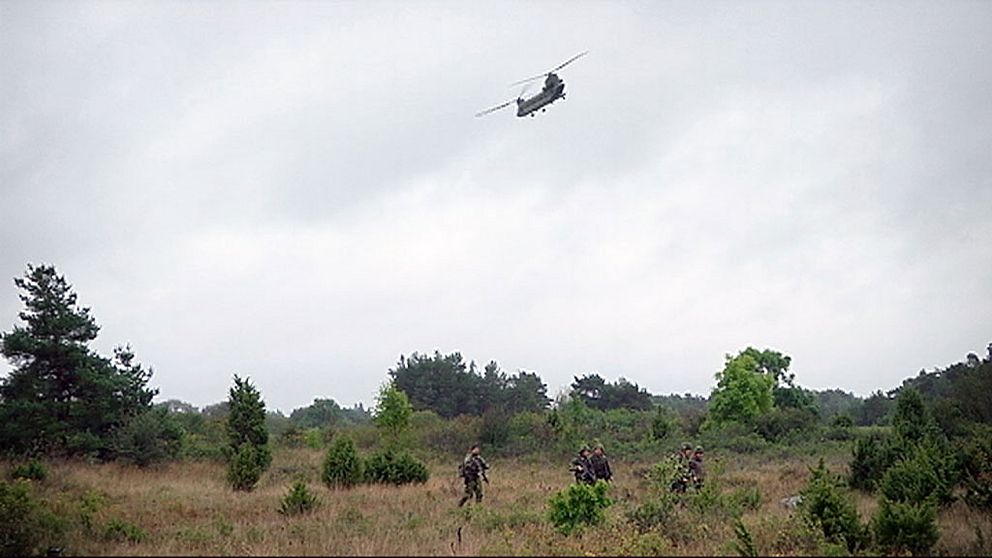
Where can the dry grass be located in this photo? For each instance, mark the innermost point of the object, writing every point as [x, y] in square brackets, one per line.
[187, 508]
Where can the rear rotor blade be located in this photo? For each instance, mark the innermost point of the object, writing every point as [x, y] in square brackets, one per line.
[570, 60]
[494, 109]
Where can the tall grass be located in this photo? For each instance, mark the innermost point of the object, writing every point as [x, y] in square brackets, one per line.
[188, 508]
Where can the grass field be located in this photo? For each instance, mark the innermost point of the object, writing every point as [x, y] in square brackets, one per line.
[187, 508]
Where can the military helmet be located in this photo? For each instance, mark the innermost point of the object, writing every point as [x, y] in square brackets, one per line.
[584, 448]
[699, 448]
[686, 446]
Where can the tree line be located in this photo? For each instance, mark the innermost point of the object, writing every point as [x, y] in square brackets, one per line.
[63, 398]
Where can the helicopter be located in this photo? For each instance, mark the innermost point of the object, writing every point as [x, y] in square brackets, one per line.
[554, 89]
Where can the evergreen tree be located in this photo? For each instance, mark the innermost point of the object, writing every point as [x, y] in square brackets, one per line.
[62, 397]
[247, 435]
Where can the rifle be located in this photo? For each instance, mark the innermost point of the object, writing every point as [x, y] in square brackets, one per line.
[484, 477]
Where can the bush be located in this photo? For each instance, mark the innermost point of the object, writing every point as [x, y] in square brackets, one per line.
[123, 531]
[26, 525]
[298, 500]
[915, 480]
[825, 506]
[342, 465]
[246, 468]
[871, 457]
[579, 505]
[662, 424]
[777, 424]
[902, 526]
[977, 472]
[150, 437]
[32, 470]
[652, 514]
[389, 468]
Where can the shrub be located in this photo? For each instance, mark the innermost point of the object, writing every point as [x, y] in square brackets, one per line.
[342, 466]
[778, 424]
[842, 421]
[871, 457]
[977, 472]
[825, 506]
[32, 470]
[579, 505]
[662, 424]
[652, 514]
[747, 498]
[151, 437]
[915, 480]
[245, 468]
[298, 500]
[123, 531]
[25, 524]
[744, 545]
[390, 468]
[902, 526]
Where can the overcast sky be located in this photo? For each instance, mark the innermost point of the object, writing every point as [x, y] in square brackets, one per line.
[299, 192]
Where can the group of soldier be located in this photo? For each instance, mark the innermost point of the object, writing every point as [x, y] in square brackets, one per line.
[588, 468]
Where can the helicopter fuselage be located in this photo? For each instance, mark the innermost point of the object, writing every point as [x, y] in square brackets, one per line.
[554, 89]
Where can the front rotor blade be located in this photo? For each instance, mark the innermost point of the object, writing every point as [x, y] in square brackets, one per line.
[494, 109]
[570, 60]
[526, 80]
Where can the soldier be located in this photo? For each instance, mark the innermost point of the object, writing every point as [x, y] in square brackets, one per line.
[696, 471]
[600, 464]
[471, 469]
[682, 471]
[582, 467]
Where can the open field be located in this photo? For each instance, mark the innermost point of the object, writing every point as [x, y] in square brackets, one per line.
[187, 508]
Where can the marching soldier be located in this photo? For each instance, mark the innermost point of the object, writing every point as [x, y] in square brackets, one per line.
[600, 464]
[582, 467]
[472, 469]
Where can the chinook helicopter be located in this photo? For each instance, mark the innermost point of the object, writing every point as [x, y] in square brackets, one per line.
[554, 89]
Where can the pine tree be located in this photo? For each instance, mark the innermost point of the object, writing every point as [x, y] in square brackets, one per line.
[247, 435]
[62, 397]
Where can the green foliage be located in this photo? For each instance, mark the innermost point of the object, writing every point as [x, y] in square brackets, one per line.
[123, 531]
[825, 506]
[842, 421]
[342, 465]
[902, 526]
[246, 419]
[151, 437]
[786, 422]
[663, 424]
[392, 411]
[26, 525]
[247, 436]
[62, 397]
[388, 467]
[912, 422]
[298, 500]
[246, 468]
[446, 385]
[746, 498]
[31, 470]
[744, 545]
[922, 476]
[871, 457]
[597, 394]
[652, 514]
[742, 393]
[579, 505]
[977, 472]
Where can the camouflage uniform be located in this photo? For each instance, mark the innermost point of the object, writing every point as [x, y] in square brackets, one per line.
[583, 470]
[683, 472]
[601, 466]
[696, 471]
[473, 470]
